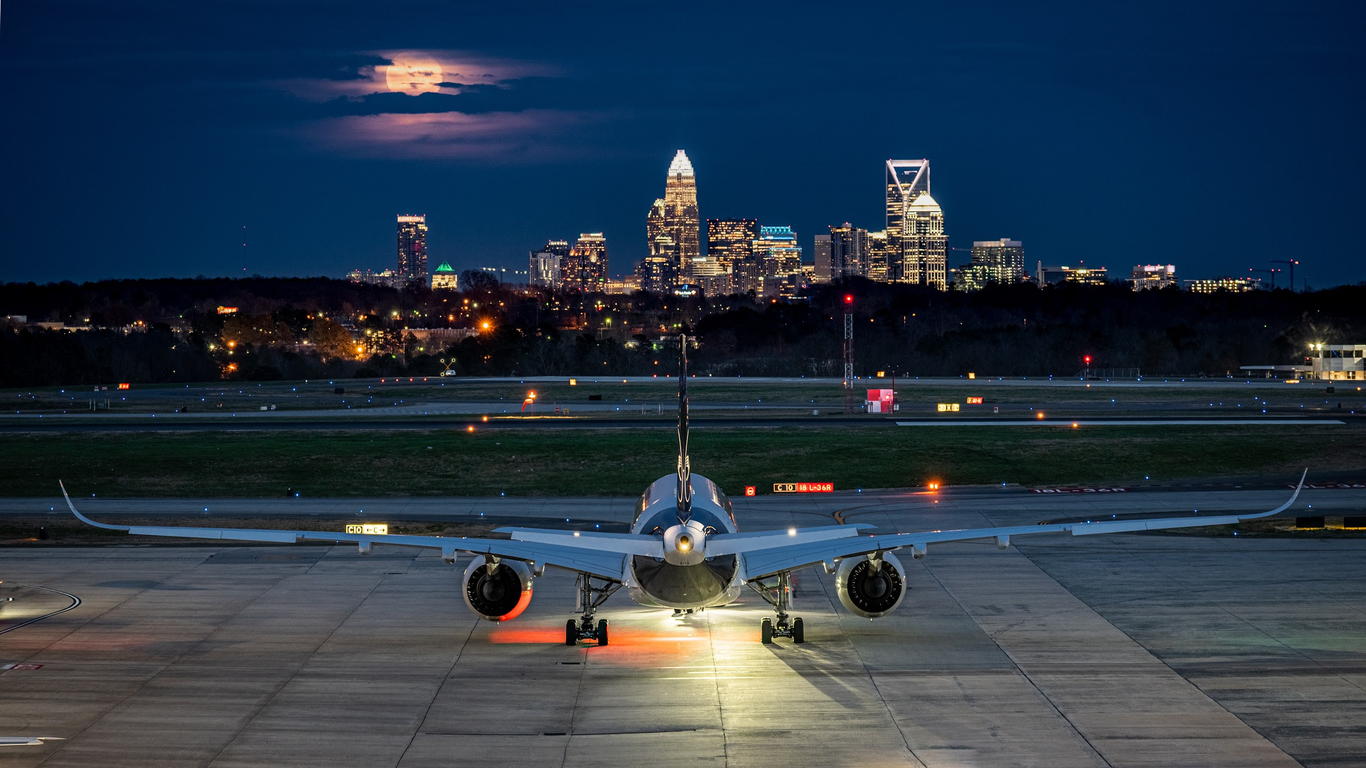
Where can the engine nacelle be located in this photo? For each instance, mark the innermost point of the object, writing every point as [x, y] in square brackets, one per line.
[871, 588]
[498, 592]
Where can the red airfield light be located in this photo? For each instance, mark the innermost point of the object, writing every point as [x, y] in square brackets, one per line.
[1087, 359]
[848, 298]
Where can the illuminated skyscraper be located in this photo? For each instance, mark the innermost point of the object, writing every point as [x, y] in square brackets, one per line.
[999, 261]
[678, 217]
[877, 256]
[824, 269]
[924, 246]
[916, 245]
[658, 271]
[779, 256]
[586, 266]
[848, 251]
[412, 247]
[730, 242]
[546, 265]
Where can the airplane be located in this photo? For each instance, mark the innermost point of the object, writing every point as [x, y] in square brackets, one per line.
[685, 552]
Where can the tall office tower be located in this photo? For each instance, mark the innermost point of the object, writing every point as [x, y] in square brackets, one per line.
[848, 251]
[731, 243]
[923, 257]
[412, 247]
[877, 256]
[586, 267]
[1001, 261]
[777, 252]
[825, 271]
[906, 180]
[680, 211]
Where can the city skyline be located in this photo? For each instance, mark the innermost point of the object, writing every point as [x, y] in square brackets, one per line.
[175, 152]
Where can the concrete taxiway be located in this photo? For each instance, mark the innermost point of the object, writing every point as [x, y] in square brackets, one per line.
[1127, 650]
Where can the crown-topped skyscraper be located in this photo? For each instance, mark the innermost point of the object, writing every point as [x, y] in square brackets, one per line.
[673, 226]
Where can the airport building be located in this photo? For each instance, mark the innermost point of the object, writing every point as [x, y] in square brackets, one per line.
[412, 247]
[1338, 362]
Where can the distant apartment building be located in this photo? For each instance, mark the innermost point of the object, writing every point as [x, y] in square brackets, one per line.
[546, 268]
[848, 251]
[1153, 276]
[1083, 274]
[585, 269]
[388, 278]
[412, 247]
[730, 242]
[657, 273]
[993, 261]
[876, 249]
[1216, 284]
[822, 250]
[445, 279]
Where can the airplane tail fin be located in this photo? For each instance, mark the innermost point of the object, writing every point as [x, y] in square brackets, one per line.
[684, 492]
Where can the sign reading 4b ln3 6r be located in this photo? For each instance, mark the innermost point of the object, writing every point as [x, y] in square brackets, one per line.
[803, 487]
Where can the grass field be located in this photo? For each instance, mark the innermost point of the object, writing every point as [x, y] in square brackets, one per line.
[623, 462]
[290, 396]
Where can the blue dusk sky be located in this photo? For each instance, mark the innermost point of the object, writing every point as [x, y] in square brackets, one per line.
[153, 139]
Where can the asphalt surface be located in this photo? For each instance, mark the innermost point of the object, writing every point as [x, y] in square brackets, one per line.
[1089, 651]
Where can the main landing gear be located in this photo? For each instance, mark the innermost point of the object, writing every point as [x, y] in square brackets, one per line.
[589, 598]
[777, 592]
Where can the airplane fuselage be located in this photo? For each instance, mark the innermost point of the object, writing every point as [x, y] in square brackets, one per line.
[654, 581]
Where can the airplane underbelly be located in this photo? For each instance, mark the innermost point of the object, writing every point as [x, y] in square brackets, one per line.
[683, 586]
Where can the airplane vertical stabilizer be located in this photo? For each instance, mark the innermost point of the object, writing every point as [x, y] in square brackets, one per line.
[684, 492]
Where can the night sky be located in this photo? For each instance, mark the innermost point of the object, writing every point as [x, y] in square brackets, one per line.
[140, 138]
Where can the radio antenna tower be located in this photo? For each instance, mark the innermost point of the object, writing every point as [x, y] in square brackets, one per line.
[848, 352]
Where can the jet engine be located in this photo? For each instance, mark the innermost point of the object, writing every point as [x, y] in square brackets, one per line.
[497, 591]
[871, 587]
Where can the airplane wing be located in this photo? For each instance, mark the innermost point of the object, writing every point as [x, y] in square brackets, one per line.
[589, 555]
[771, 560]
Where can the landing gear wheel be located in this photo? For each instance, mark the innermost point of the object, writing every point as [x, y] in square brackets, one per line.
[766, 631]
[797, 635]
[602, 632]
[571, 632]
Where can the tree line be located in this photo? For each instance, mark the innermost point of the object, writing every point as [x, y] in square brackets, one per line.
[311, 328]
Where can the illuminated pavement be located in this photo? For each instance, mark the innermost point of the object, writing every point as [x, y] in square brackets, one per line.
[1119, 650]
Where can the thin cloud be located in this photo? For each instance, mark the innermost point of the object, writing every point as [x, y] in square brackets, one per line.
[530, 135]
[414, 73]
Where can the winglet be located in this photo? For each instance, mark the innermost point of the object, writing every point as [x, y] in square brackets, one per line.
[1284, 506]
[85, 519]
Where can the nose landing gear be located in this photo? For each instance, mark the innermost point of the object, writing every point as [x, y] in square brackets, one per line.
[777, 592]
[589, 598]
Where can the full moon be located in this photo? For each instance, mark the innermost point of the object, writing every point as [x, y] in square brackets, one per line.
[413, 77]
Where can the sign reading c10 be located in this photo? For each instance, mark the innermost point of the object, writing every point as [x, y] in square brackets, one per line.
[803, 487]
